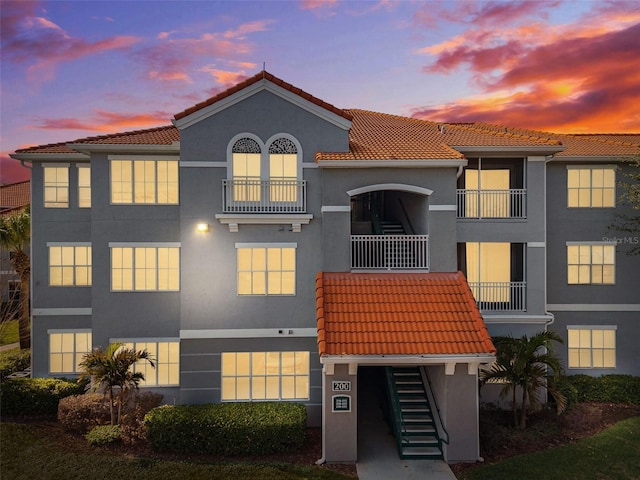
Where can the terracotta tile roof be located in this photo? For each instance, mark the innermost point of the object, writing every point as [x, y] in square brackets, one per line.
[398, 314]
[256, 78]
[165, 135]
[14, 197]
[617, 138]
[462, 134]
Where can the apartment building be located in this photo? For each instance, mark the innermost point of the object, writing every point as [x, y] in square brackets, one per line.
[269, 246]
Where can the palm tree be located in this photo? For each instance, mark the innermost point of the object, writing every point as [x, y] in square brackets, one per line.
[526, 363]
[111, 368]
[15, 234]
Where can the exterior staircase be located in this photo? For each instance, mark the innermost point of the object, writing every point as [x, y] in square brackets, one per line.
[414, 425]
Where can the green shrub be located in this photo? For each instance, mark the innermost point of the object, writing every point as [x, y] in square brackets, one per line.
[104, 435]
[565, 387]
[35, 396]
[9, 331]
[14, 360]
[228, 429]
[607, 388]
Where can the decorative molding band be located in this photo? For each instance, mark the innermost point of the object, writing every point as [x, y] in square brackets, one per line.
[443, 208]
[417, 163]
[250, 333]
[267, 244]
[591, 242]
[309, 165]
[68, 244]
[136, 156]
[335, 208]
[517, 319]
[50, 312]
[190, 164]
[145, 244]
[68, 330]
[536, 244]
[592, 327]
[402, 187]
[234, 220]
[594, 307]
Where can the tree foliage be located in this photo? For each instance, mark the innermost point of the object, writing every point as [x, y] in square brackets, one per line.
[15, 235]
[111, 369]
[630, 196]
[525, 363]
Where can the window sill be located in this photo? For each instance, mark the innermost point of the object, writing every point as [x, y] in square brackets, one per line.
[234, 220]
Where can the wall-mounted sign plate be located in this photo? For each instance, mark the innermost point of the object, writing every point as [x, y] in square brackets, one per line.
[341, 403]
[341, 385]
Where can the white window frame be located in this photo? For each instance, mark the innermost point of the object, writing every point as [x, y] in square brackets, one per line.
[591, 265]
[250, 376]
[145, 367]
[591, 188]
[132, 183]
[74, 266]
[81, 167]
[61, 187]
[267, 246]
[591, 349]
[78, 355]
[139, 270]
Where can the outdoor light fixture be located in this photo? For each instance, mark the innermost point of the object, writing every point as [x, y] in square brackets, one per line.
[203, 227]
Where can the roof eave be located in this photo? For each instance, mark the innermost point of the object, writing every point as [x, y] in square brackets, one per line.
[408, 359]
[88, 148]
[417, 163]
[596, 158]
[500, 150]
[48, 157]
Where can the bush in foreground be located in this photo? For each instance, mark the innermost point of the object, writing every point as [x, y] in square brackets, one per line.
[35, 396]
[606, 388]
[14, 360]
[228, 428]
[104, 435]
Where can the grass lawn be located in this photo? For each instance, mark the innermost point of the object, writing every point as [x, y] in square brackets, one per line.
[9, 332]
[28, 454]
[611, 454]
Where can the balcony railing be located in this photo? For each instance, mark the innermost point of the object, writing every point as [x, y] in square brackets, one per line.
[264, 196]
[492, 203]
[390, 252]
[500, 296]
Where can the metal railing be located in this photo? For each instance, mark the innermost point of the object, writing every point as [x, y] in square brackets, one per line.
[264, 196]
[443, 435]
[500, 296]
[492, 203]
[390, 252]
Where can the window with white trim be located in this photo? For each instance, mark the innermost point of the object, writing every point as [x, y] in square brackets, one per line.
[266, 270]
[283, 171]
[145, 268]
[265, 376]
[70, 265]
[67, 349]
[591, 263]
[591, 186]
[246, 160]
[84, 186]
[592, 347]
[56, 186]
[165, 356]
[144, 182]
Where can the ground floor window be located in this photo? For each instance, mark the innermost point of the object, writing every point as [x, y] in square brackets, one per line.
[265, 376]
[66, 349]
[592, 347]
[166, 357]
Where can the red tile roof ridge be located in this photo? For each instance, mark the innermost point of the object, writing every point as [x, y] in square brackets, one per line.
[254, 79]
[592, 138]
[503, 131]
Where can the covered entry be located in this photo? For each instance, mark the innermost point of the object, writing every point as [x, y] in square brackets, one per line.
[426, 333]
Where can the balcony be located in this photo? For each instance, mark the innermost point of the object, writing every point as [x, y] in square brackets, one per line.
[500, 296]
[492, 203]
[264, 196]
[390, 252]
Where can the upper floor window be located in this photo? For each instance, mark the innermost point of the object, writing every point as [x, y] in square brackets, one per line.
[145, 268]
[165, 355]
[56, 186]
[144, 182]
[66, 349]
[70, 265]
[266, 270]
[592, 347]
[84, 186]
[591, 186]
[591, 263]
[246, 170]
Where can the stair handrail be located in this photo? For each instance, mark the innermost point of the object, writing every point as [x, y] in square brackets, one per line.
[443, 435]
[399, 428]
[411, 230]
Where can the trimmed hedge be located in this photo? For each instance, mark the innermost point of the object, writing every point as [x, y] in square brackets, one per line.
[228, 428]
[14, 360]
[104, 435]
[35, 396]
[606, 388]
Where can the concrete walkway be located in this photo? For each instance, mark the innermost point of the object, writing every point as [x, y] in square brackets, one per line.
[9, 347]
[377, 452]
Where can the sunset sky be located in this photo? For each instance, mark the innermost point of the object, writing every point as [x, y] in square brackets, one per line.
[83, 68]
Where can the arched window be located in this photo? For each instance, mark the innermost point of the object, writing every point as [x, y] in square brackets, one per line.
[283, 171]
[246, 170]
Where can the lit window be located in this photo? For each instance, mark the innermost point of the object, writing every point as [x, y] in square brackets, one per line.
[591, 263]
[70, 265]
[591, 347]
[66, 350]
[144, 182]
[145, 268]
[283, 171]
[265, 376]
[487, 193]
[591, 186]
[56, 186]
[246, 170]
[84, 186]
[165, 355]
[266, 270]
[488, 270]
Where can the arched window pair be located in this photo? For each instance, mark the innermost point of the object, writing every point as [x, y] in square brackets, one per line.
[265, 180]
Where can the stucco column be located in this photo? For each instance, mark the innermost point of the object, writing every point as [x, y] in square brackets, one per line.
[340, 413]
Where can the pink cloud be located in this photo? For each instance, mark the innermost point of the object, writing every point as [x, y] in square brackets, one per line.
[316, 4]
[105, 121]
[225, 77]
